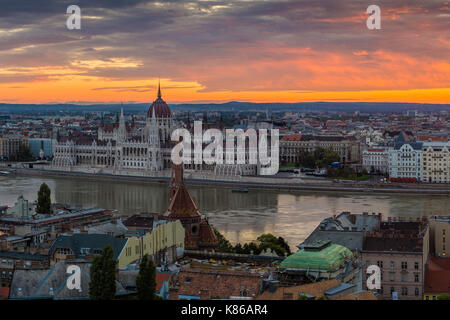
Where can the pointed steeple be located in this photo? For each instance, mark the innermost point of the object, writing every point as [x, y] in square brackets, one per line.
[159, 88]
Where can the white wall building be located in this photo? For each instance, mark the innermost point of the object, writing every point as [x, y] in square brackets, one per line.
[405, 160]
[376, 159]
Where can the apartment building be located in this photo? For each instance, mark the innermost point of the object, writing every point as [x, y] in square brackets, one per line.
[376, 159]
[440, 236]
[12, 146]
[164, 244]
[436, 162]
[400, 249]
[405, 161]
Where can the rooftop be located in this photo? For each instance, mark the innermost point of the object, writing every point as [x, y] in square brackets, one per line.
[330, 257]
[437, 275]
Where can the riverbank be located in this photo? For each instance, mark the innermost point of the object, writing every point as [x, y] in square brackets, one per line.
[264, 183]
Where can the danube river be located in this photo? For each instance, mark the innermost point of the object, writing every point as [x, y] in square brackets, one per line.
[241, 217]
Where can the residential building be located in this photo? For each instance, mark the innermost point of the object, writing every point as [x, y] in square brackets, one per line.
[13, 260]
[62, 222]
[436, 162]
[437, 277]
[326, 289]
[12, 146]
[405, 161]
[164, 244]
[440, 236]
[376, 159]
[22, 209]
[400, 249]
[51, 283]
[345, 229]
[198, 284]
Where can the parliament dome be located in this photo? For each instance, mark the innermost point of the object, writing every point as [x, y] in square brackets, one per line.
[160, 107]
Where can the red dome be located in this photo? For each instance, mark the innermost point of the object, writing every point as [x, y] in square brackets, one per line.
[162, 110]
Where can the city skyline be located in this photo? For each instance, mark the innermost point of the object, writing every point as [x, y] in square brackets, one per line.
[219, 51]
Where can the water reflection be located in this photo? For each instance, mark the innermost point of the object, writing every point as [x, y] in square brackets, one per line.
[241, 217]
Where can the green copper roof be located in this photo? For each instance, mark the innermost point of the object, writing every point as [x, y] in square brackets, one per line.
[323, 256]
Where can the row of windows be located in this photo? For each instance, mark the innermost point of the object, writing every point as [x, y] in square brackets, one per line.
[404, 264]
[403, 291]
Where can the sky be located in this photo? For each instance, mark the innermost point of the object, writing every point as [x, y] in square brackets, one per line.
[218, 51]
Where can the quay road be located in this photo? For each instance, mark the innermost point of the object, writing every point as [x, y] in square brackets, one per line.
[269, 183]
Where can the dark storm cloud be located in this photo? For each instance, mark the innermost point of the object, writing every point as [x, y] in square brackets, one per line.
[183, 39]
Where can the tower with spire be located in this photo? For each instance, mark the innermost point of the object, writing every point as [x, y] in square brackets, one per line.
[122, 132]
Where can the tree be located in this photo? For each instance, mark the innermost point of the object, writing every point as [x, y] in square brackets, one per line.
[103, 276]
[444, 296]
[146, 279]
[44, 202]
[277, 245]
[224, 244]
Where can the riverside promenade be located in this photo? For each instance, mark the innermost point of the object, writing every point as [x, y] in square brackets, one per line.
[250, 182]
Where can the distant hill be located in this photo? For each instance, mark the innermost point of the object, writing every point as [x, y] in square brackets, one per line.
[364, 107]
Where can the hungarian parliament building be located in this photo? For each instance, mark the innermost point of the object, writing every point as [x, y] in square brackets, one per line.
[118, 147]
[125, 150]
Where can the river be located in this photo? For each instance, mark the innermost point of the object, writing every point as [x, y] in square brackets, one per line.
[241, 217]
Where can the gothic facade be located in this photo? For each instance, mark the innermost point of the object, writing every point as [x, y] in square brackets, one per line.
[122, 147]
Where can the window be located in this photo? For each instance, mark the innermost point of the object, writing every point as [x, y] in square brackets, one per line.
[404, 277]
[416, 292]
[380, 264]
[416, 278]
[392, 290]
[416, 265]
[404, 291]
[404, 265]
[392, 276]
[392, 264]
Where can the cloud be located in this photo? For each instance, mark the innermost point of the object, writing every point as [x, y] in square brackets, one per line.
[231, 45]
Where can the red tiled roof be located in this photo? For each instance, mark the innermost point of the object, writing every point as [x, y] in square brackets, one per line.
[437, 275]
[292, 137]
[207, 235]
[182, 205]
[216, 283]
[434, 138]
[160, 278]
[4, 292]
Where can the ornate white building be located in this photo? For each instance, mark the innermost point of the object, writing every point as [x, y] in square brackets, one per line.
[121, 147]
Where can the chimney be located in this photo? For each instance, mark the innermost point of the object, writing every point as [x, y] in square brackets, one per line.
[204, 294]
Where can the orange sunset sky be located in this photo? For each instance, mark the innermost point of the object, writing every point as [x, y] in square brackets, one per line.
[218, 51]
